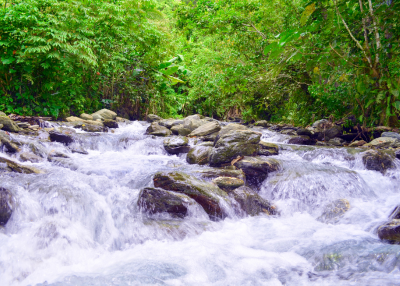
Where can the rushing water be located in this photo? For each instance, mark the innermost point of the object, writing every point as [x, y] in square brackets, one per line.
[78, 224]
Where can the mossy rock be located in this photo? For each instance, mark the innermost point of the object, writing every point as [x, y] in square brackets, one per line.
[377, 161]
[206, 129]
[257, 168]
[390, 231]
[152, 118]
[228, 183]
[8, 124]
[213, 173]
[18, 168]
[268, 149]
[199, 155]
[252, 203]
[157, 130]
[180, 130]
[176, 145]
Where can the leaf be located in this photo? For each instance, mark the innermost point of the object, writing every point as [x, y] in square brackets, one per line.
[397, 105]
[395, 92]
[369, 103]
[270, 48]
[307, 13]
[7, 61]
[170, 71]
[175, 80]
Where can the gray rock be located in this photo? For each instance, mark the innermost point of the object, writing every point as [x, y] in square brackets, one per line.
[30, 157]
[301, 140]
[234, 144]
[209, 138]
[231, 127]
[169, 123]
[334, 131]
[62, 136]
[214, 173]
[110, 123]
[92, 128]
[5, 140]
[289, 132]
[6, 206]
[199, 155]
[105, 114]
[390, 231]
[391, 134]
[1, 126]
[180, 130]
[154, 201]
[157, 130]
[268, 149]
[8, 124]
[23, 124]
[336, 141]
[75, 148]
[206, 129]
[2, 113]
[194, 121]
[207, 194]
[228, 183]
[377, 161]
[334, 211]
[257, 168]
[357, 143]
[176, 145]
[85, 116]
[303, 131]
[384, 142]
[97, 117]
[322, 124]
[63, 162]
[152, 118]
[262, 123]
[18, 168]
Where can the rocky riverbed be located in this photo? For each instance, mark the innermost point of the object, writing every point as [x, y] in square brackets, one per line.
[98, 199]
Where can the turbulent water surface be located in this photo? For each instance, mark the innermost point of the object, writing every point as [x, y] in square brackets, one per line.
[80, 225]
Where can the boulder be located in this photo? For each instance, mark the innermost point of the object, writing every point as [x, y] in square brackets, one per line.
[8, 124]
[377, 161]
[228, 183]
[231, 127]
[322, 124]
[358, 143]
[157, 130]
[390, 231]
[105, 114]
[5, 141]
[194, 121]
[74, 119]
[97, 117]
[85, 116]
[206, 129]
[384, 142]
[180, 130]
[92, 128]
[301, 140]
[110, 123]
[209, 138]
[233, 144]
[252, 203]
[397, 153]
[303, 131]
[268, 149]
[121, 120]
[336, 141]
[152, 118]
[18, 168]
[334, 211]
[6, 206]
[1, 126]
[214, 173]
[289, 132]
[176, 145]
[2, 113]
[199, 155]
[391, 134]
[334, 131]
[63, 136]
[207, 194]
[257, 168]
[30, 157]
[262, 123]
[154, 201]
[23, 124]
[169, 123]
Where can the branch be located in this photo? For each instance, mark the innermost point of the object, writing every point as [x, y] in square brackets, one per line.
[365, 30]
[343, 57]
[257, 31]
[377, 38]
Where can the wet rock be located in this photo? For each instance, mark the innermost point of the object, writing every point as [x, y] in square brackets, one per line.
[303, 131]
[63, 162]
[289, 132]
[85, 116]
[231, 127]
[23, 124]
[153, 201]
[169, 123]
[268, 149]
[30, 157]
[397, 153]
[395, 213]
[63, 136]
[252, 203]
[234, 144]
[228, 183]
[5, 141]
[18, 168]
[194, 121]
[180, 130]
[8, 124]
[157, 130]
[105, 114]
[92, 128]
[56, 154]
[301, 140]
[336, 141]
[207, 194]
[77, 149]
[377, 161]
[216, 173]
[334, 211]
[390, 231]
[206, 129]
[262, 123]
[199, 155]
[152, 118]
[384, 142]
[209, 138]
[357, 143]
[257, 168]
[121, 120]
[391, 134]
[110, 123]
[5, 206]
[334, 131]
[176, 145]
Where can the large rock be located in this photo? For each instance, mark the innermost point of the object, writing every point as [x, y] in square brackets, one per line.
[176, 145]
[252, 203]
[384, 142]
[154, 201]
[152, 118]
[303, 131]
[334, 211]
[85, 116]
[6, 206]
[63, 136]
[2, 113]
[391, 134]
[158, 130]
[92, 128]
[262, 123]
[18, 168]
[8, 124]
[231, 127]
[334, 131]
[74, 119]
[207, 194]
[180, 130]
[106, 114]
[76, 148]
[214, 173]
[110, 123]
[322, 124]
[301, 140]
[199, 155]
[377, 161]
[194, 121]
[169, 123]
[206, 129]
[336, 141]
[357, 143]
[234, 144]
[390, 231]
[228, 183]
[268, 149]
[5, 141]
[257, 168]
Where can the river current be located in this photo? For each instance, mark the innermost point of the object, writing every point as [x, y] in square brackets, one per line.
[80, 225]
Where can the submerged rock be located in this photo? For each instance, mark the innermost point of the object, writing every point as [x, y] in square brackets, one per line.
[27, 156]
[268, 149]
[16, 167]
[152, 118]
[176, 145]
[199, 155]
[63, 136]
[301, 140]
[390, 231]
[208, 195]
[228, 183]
[234, 144]
[5, 206]
[334, 211]
[8, 124]
[153, 201]
[77, 149]
[252, 203]
[206, 129]
[377, 161]
[257, 168]
[157, 130]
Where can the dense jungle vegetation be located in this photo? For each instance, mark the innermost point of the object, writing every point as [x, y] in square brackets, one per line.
[281, 60]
